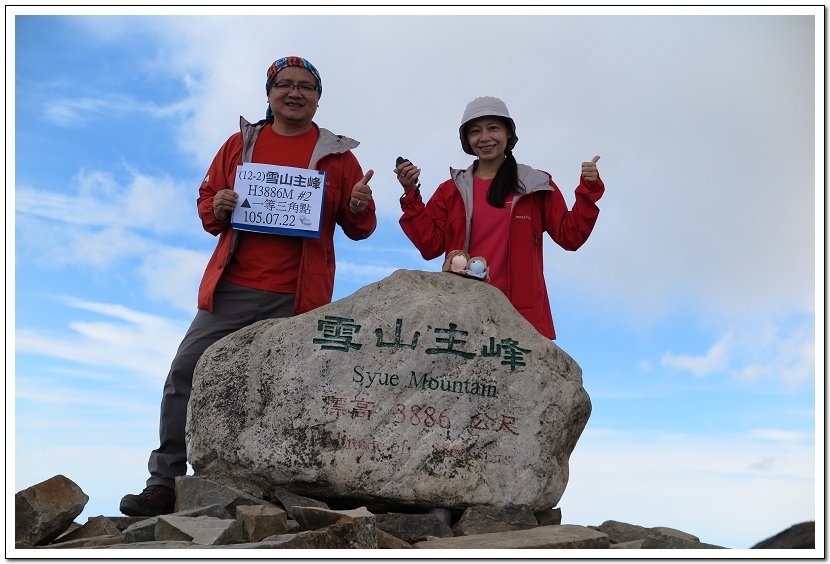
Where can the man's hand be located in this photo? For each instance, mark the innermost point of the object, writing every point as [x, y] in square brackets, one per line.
[361, 194]
[224, 203]
[589, 170]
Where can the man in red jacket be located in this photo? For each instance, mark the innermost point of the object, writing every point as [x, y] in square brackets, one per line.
[261, 273]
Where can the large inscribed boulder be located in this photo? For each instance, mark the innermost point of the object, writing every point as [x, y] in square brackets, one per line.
[422, 390]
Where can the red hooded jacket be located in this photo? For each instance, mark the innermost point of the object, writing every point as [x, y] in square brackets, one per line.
[315, 279]
[443, 225]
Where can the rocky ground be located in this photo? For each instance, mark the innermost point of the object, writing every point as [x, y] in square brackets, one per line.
[209, 516]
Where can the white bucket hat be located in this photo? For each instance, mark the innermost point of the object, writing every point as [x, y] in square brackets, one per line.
[486, 106]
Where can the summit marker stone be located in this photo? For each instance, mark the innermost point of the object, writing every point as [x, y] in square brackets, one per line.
[422, 389]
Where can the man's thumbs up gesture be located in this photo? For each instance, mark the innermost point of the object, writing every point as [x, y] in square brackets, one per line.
[361, 194]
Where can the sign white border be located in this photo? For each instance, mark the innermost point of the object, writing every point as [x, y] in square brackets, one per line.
[276, 199]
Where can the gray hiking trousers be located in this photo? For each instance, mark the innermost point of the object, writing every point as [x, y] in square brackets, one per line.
[235, 307]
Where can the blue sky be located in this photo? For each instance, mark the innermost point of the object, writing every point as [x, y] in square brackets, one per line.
[691, 309]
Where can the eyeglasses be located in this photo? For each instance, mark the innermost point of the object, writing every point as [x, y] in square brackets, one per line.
[287, 86]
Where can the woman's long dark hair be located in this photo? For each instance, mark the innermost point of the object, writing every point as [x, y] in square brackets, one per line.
[505, 182]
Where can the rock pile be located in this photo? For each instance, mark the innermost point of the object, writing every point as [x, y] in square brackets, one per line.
[209, 516]
[800, 535]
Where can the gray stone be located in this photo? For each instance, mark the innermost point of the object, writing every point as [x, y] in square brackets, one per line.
[445, 515]
[551, 516]
[202, 530]
[413, 527]
[385, 540]
[45, 510]
[145, 530]
[801, 535]
[122, 522]
[89, 542]
[142, 531]
[167, 531]
[658, 540]
[629, 544]
[260, 521]
[554, 536]
[290, 500]
[407, 391]
[487, 519]
[346, 533]
[310, 518]
[618, 531]
[154, 545]
[194, 492]
[674, 533]
[72, 527]
[94, 527]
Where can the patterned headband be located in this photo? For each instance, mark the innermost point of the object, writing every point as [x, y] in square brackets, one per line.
[286, 62]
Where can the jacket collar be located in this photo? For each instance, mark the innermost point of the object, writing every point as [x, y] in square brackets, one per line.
[531, 179]
[329, 143]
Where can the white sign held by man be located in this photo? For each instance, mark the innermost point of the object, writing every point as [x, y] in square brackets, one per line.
[279, 199]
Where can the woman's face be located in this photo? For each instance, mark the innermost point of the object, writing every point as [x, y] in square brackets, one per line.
[295, 105]
[488, 138]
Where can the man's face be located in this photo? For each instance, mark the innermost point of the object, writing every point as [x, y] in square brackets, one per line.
[290, 97]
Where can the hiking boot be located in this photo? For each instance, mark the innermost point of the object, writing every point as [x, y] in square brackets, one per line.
[154, 500]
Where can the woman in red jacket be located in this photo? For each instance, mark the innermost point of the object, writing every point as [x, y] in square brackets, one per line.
[499, 209]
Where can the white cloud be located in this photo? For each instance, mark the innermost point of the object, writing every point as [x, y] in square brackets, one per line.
[790, 358]
[685, 223]
[776, 352]
[126, 340]
[167, 274]
[81, 374]
[117, 311]
[715, 359]
[70, 112]
[366, 273]
[766, 464]
[46, 395]
[755, 487]
[781, 435]
[173, 275]
[51, 245]
[100, 199]
[120, 227]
